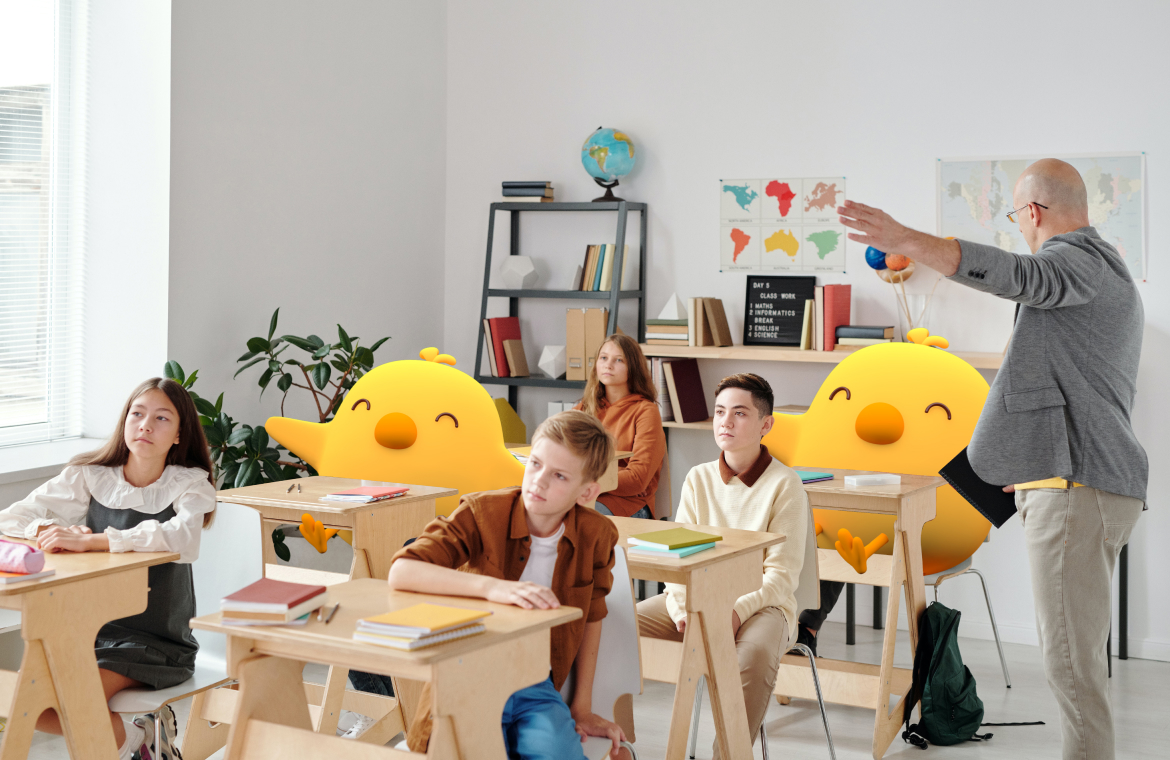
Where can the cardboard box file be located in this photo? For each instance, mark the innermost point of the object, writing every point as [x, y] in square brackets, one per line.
[575, 344]
[596, 321]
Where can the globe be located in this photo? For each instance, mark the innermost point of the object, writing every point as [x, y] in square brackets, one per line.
[608, 154]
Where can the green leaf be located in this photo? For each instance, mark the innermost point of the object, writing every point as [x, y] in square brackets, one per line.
[264, 378]
[246, 356]
[230, 472]
[283, 552]
[317, 342]
[239, 436]
[259, 439]
[272, 323]
[190, 379]
[364, 357]
[249, 473]
[214, 439]
[278, 536]
[274, 365]
[205, 407]
[322, 352]
[219, 404]
[173, 371]
[300, 343]
[379, 343]
[258, 345]
[321, 375]
[346, 343]
[271, 471]
[285, 382]
[339, 365]
[337, 404]
[249, 364]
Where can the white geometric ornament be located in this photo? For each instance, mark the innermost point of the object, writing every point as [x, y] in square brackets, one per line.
[518, 273]
[674, 308]
[552, 362]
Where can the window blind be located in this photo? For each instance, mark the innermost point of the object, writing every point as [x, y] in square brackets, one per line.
[42, 83]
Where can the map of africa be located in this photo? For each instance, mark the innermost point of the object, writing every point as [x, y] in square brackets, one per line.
[974, 197]
[783, 240]
[744, 195]
[783, 194]
[826, 242]
[781, 224]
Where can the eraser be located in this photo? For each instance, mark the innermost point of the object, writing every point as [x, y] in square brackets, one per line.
[876, 479]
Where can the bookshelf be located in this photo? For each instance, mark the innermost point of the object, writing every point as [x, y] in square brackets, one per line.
[783, 354]
[612, 298]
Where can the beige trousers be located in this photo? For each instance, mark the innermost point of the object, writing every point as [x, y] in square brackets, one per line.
[761, 641]
[1074, 536]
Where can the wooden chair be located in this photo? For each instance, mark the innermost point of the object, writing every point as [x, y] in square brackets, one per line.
[619, 671]
[808, 597]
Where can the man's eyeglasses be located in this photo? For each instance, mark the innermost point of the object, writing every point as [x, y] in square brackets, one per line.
[1012, 216]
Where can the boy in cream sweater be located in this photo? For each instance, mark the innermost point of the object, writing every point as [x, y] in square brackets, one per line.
[747, 489]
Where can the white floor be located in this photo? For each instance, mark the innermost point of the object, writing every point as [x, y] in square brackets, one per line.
[1141, 702]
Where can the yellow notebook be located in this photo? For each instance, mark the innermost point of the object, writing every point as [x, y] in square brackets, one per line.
[675, 538]
[424, 618]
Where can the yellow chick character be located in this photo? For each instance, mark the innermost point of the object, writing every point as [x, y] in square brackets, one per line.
[416, 422]
[893, 407]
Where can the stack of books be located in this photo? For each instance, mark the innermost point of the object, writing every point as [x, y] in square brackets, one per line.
[864, 335]
[823, 314]
[505, 347]
[667, 332]
[680, 390]
[270, 602]
[675, 543]
[707, 323]
[658, 375]
[366, 494]
[596, 271]
[419, 626]
[528, 192]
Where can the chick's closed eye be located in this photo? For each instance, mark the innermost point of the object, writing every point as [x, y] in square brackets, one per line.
[848, 395]
[447, 414]
[360, 401]
[940, 405]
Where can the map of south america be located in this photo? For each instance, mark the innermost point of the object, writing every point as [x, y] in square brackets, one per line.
[744, 195]
[741, 239]
[783, 194]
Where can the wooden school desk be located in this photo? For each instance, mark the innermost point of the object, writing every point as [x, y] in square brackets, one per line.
[714, 579]
[379, 530]
[472, 678]
[60, 618]
[851, 683]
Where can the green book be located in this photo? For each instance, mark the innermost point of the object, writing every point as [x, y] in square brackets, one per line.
[675, 322]
[675, 538]
[686, 551]
[813, 477]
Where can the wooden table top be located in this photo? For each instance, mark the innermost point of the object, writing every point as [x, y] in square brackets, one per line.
[367, 597]
[734, 543]
[313, 488]
[910, 483]
[76, 566]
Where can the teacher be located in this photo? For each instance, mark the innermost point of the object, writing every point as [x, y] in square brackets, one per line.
[1056, 424]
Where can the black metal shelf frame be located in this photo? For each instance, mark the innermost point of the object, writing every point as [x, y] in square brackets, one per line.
[614, 296]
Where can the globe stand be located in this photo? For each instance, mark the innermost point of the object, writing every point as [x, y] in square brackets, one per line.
[609, 196]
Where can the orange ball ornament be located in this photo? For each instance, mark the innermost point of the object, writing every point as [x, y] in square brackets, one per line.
[897, 261]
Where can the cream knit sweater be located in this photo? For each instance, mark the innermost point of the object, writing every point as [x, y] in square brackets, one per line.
[775, 503]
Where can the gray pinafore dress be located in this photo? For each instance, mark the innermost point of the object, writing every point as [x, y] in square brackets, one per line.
[155, 647]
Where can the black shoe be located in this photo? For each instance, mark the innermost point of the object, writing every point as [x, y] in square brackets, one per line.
[805, 636]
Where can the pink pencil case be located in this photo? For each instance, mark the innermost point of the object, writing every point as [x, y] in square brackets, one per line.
[20, 558]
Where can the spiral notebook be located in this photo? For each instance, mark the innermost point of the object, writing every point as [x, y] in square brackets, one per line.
[422, 642]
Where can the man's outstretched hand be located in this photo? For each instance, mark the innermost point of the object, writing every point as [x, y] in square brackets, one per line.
[881, 231]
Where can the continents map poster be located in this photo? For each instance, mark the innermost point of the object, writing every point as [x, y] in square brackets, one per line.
[975, 194]
[781, 225]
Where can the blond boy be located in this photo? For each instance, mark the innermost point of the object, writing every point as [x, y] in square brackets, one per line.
[537, 546]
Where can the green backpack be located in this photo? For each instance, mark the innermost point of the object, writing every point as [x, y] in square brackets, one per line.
[951, 711]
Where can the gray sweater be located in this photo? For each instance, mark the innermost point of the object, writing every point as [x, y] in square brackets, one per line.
[1060, 405]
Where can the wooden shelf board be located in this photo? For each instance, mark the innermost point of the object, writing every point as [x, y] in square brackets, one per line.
[785, 354]
[707, 423]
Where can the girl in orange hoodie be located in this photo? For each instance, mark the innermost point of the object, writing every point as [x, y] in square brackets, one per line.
[621, 394]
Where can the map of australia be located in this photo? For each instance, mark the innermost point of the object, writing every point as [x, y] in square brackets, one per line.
[822, 198]
[741, 239]
[783, 240]
[783, 194]
[826, 242]
[744, 195]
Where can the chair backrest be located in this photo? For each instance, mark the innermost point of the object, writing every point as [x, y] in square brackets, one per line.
[808, 591]
[230, 557]
[619, 660]
[663, 503]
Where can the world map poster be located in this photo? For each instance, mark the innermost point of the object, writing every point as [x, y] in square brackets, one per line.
[781, 225]
[975, 196]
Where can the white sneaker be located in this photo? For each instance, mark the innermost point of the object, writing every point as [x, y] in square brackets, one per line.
[135, 737]
[359, 727]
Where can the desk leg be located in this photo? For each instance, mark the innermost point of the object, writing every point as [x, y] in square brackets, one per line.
[694, 665]
[271, 691]
[470, 691]
[32, 695]
[335, 684]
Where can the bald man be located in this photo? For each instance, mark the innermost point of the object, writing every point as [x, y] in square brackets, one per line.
[1056, 426]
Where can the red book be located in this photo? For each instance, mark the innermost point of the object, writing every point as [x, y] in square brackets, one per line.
[267, 595]
[505, 328]
[366, 494]
[686, 390]
[837, 298]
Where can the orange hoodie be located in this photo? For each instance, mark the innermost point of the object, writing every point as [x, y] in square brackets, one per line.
[635, 424]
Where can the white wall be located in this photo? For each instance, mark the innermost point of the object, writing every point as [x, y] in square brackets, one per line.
[875, 92]
[307, 173]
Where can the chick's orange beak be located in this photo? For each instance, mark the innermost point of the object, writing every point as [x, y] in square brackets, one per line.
[880, 423]
[396, 431]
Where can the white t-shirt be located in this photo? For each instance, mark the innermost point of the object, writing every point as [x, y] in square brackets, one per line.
[542, 559]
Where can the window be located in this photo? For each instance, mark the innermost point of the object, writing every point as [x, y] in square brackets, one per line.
[41, 217]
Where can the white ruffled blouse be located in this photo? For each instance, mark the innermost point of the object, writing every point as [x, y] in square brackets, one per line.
[64, 500]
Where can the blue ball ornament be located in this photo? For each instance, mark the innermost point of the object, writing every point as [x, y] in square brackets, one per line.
[875, 258]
